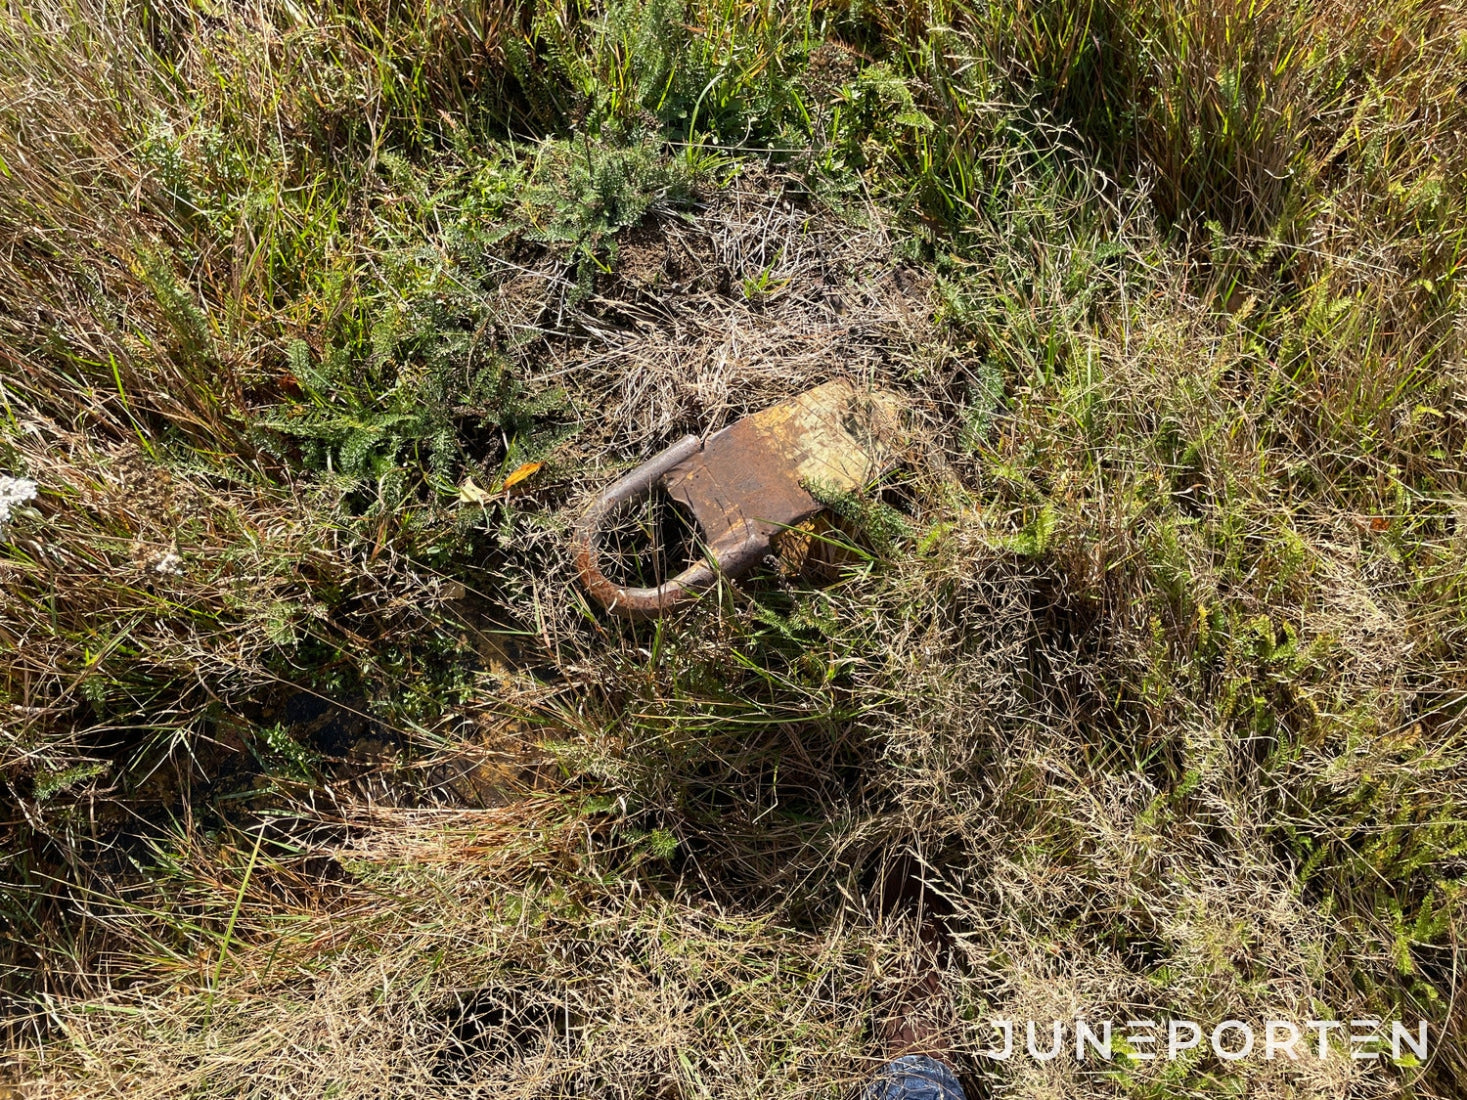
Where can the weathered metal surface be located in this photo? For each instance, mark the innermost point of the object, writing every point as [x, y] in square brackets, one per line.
[744, 485]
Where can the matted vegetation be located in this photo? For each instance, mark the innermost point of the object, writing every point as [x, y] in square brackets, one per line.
[323, 778]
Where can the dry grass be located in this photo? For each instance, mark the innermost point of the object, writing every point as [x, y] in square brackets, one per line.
[1158, 674]
[759, 296]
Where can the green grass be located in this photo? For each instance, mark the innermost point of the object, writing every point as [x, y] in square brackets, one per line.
[1153, 653]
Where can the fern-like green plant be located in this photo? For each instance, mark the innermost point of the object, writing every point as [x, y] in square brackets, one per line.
[411, 407]
[879, 523]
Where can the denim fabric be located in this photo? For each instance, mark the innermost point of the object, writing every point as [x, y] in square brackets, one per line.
[915, 1077]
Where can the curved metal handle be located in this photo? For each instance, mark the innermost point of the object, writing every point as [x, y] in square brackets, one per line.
[639, 603]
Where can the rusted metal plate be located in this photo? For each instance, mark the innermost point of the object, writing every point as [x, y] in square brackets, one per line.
[748, 479]
[746, 483]
[739, 484]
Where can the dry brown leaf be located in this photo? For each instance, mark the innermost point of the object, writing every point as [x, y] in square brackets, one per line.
[526, 470]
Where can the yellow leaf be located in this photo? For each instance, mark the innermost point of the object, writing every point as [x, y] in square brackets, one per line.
[469, 493]
[523, 472]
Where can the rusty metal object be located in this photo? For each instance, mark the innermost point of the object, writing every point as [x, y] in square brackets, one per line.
[745, 484]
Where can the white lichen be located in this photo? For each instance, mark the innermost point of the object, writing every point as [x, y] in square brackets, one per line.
[14, 491]
[168, 563]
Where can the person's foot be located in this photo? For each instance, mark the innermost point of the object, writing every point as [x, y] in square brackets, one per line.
[919, 1017]
[915, 1021]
